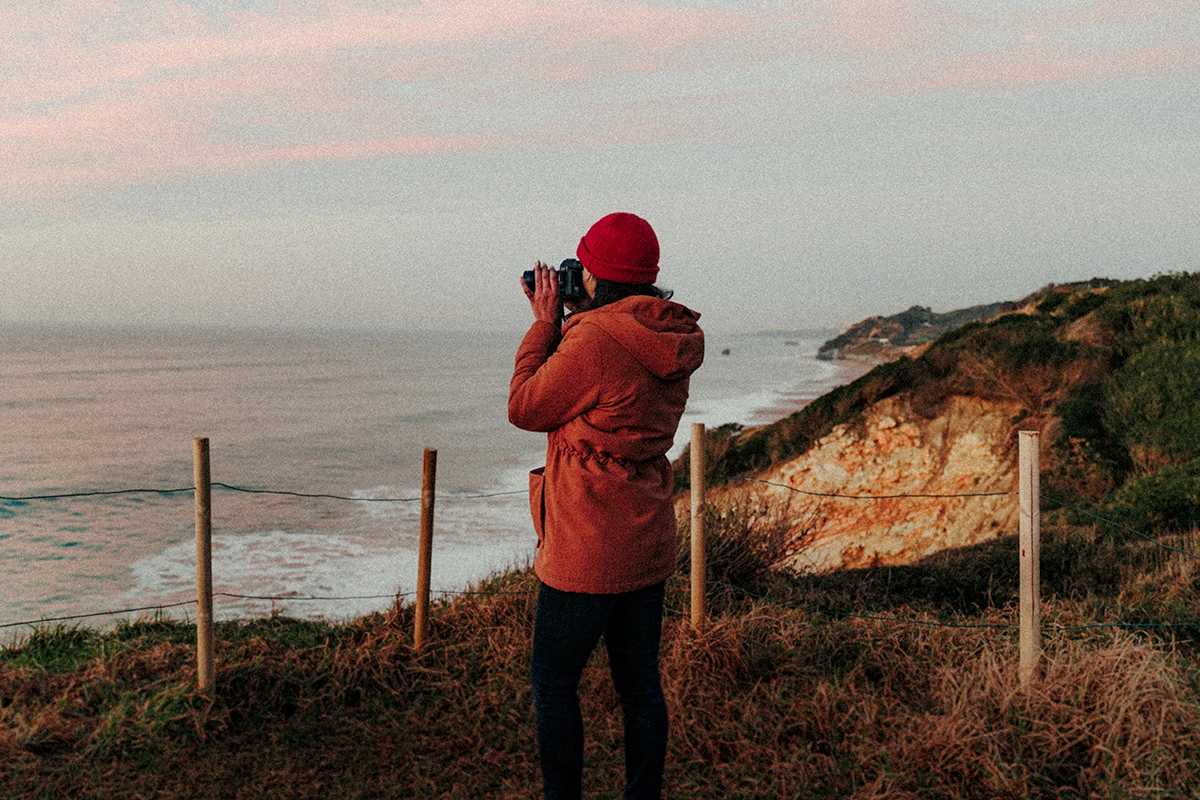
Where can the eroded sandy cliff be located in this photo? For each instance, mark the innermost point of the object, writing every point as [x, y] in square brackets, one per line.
[890, 450]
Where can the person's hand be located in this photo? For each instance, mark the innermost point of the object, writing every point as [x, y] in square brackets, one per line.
[544, 297]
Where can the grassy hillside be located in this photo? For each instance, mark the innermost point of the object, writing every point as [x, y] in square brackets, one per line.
[914, 327]
[1110, 375]
[911, 330]
[893, 682]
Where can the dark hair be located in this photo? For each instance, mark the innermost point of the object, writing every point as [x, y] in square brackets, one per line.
[610, 292]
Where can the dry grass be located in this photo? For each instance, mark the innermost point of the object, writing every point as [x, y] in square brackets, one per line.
[769, 704]
[768, 701]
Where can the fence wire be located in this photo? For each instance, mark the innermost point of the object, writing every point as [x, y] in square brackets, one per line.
[1047, 498]
[814, 610]
[274, 598]
[940, 624]
[1122, 527]
[871, 496]
[101, 493]
[245, 490]
[114, 612]
[397, 595]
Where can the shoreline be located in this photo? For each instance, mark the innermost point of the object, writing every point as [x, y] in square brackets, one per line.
[848, 372]
[139, 552]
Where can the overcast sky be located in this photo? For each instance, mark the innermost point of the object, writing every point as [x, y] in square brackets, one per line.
[358, 163]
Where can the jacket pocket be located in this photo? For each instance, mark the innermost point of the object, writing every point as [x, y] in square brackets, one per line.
[537, 501]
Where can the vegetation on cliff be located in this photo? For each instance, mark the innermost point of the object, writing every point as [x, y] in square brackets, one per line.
[1108, 371]
[889, 337]
[910, 331]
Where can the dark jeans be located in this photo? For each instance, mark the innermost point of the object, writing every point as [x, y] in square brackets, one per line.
[566, 628]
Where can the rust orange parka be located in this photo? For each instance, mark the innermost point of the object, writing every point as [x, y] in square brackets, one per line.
[609, 390]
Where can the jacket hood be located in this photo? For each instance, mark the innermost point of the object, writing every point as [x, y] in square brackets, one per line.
[664, 337]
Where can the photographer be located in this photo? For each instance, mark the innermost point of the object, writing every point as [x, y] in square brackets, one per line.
[609, 387]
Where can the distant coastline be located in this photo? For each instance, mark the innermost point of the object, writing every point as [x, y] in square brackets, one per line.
[849, 370]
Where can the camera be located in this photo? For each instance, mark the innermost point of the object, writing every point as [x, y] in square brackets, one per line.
[570, 280]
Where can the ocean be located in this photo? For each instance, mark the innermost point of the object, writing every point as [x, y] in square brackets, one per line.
[342, 414]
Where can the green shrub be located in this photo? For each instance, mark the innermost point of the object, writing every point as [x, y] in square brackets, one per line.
[1021, 340]
[1083, 304]
[1053, 302]
[1078, 301]
[1152, 404]
[1162, 309]
[1167, 499]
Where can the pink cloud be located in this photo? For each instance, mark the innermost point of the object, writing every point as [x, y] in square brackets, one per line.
[1018, 68]
[889, 28]
[96, 93]
[1023, 47]
[1105, 12]
[172, 93]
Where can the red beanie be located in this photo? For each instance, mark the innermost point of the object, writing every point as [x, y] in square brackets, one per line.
[621, 248]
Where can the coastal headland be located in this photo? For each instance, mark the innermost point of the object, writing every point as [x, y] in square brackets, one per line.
[931, 430]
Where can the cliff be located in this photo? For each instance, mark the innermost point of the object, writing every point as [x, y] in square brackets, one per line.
[891, 451]
[906, 333]
[1107, 371]
[909, 333]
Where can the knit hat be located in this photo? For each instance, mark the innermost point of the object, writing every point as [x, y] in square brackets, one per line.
[621, 248]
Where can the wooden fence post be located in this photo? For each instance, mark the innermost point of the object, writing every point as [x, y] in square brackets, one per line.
[205, 661]
[425, 548]
[1031, 556]
[699, 568]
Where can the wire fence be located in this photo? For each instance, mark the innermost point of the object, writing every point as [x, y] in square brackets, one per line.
[843, 496]
[158, 608]
[1058, 503]
[244, 490]
[189, 490]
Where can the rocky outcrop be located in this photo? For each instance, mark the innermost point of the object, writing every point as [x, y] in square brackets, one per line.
[905, 334]
[969, 449]
[909, 333]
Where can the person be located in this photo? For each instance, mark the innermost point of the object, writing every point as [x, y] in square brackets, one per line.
[608, 386]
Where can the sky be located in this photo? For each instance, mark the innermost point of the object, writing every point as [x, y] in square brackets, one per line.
[371, 165]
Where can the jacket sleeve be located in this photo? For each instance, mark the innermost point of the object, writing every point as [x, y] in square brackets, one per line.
[554, 380]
